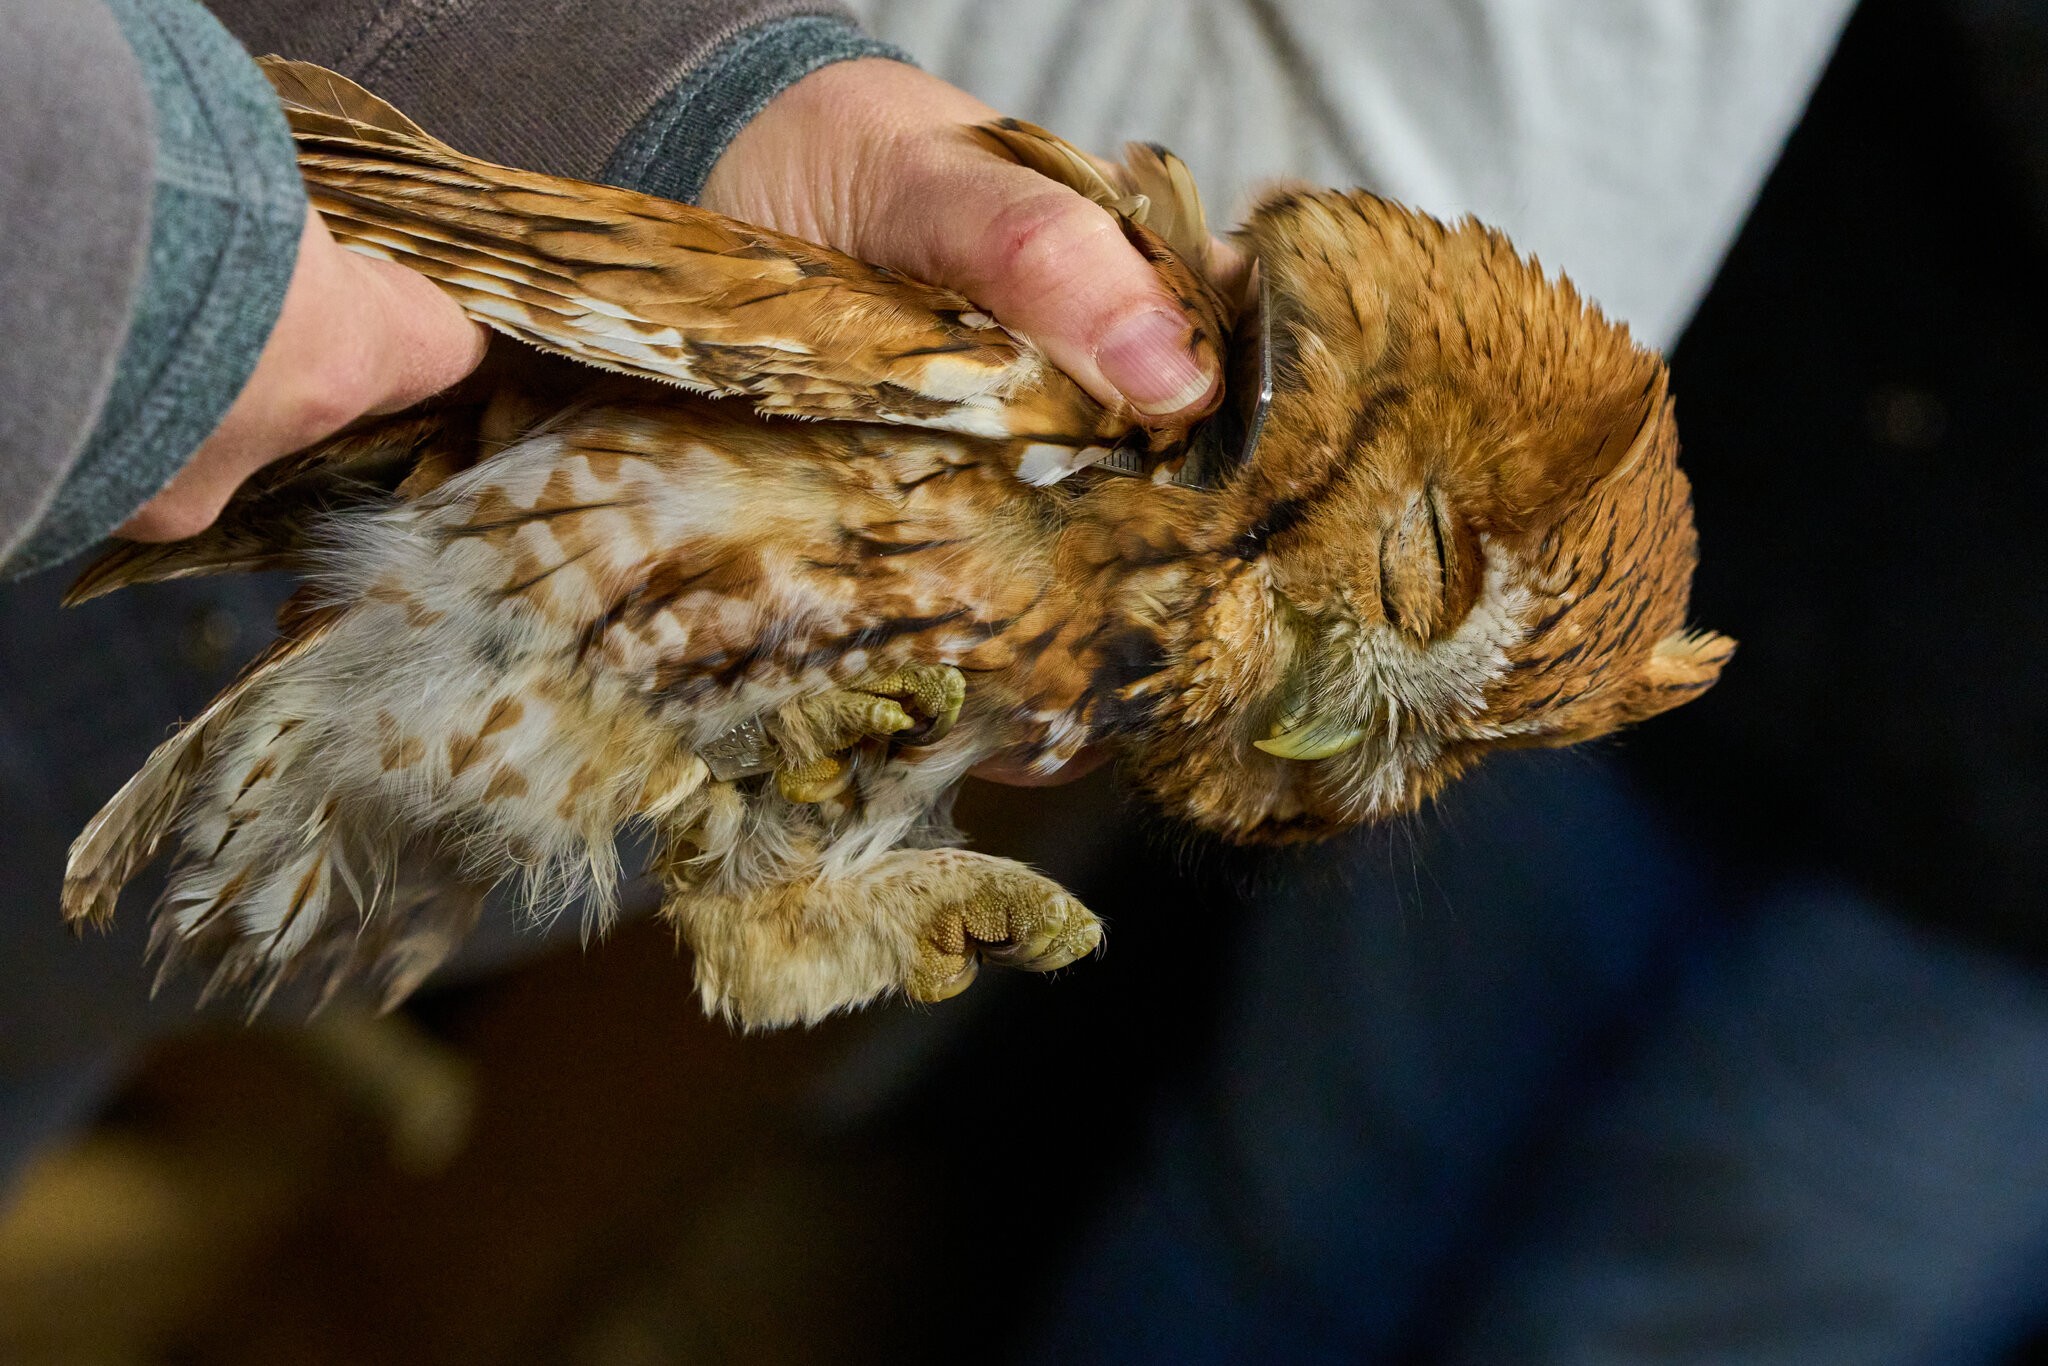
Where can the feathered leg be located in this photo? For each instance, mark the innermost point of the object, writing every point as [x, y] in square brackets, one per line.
[919, 921]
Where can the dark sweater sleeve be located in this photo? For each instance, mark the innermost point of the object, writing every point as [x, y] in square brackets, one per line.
[641, 93]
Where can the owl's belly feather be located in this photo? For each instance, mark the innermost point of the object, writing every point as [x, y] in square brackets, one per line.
[528, 659]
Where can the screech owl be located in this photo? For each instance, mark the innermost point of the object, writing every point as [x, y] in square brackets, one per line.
[558, 603]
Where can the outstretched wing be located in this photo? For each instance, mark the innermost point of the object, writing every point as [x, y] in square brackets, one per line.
[671, 292]
[668, 292]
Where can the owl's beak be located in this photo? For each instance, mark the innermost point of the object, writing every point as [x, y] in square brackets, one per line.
[1312, 737]
[1302, 730]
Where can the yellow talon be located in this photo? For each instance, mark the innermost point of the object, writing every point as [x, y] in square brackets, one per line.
[819, 780]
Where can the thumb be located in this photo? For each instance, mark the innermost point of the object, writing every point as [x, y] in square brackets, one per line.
[1053, 266]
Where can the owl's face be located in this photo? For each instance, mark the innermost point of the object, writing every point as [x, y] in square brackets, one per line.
[1463, 527]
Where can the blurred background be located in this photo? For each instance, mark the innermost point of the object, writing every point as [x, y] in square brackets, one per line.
[1728, 1042]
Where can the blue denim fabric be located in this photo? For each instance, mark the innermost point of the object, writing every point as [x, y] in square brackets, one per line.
[1405, 1013]
[1832, 1152]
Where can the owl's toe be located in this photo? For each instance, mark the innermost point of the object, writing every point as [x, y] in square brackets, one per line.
[1012, 917]
[820, 780]
[842, 719]
[932, 693]
[940, 976]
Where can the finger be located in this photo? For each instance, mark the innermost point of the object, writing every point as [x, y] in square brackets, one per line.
[1053, 266]
[1230, 269]
[426, 342]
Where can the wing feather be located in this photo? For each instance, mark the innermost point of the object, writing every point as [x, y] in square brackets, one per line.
[124, 837]
[1057, 159]
[269, 522]
[1173, 203]
[671, 292]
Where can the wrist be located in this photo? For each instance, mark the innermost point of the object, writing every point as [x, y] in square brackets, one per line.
[673, 148]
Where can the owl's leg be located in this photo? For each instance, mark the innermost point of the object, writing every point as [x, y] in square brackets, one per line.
[916, 705]
[917, 921]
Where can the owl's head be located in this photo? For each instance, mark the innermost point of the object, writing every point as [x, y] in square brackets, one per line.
[1463, 527]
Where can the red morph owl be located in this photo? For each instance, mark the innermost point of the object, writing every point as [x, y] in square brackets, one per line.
[609, 585]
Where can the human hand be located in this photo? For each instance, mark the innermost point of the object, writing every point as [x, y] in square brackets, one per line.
[356, 336]
[873, 157]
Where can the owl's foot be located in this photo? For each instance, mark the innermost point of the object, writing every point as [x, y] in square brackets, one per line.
[914, 705]
[818, 780]
[1007, 915]
[919, 921]
[932, 693]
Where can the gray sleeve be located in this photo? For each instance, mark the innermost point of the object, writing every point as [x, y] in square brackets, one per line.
[642, 93]
[223, 208]
[75, 161]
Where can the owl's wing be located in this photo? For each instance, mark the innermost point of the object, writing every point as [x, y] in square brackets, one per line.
[271, 519]
[667, 291]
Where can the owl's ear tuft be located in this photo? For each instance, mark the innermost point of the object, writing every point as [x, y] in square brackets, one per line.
[1681, 666]
[1634, 433]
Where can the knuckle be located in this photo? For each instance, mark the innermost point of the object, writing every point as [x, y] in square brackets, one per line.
[1048, 236]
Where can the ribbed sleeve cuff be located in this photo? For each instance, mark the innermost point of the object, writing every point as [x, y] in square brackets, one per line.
[672, 149]
[223, 239]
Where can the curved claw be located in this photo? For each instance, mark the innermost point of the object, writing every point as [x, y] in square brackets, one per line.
[937, 691]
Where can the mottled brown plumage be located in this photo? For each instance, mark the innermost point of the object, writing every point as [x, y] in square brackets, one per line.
[560, 604]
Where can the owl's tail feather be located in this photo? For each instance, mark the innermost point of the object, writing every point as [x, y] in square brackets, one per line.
[334, 910]
[668, 291]
[125, 836]
[283, 877]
